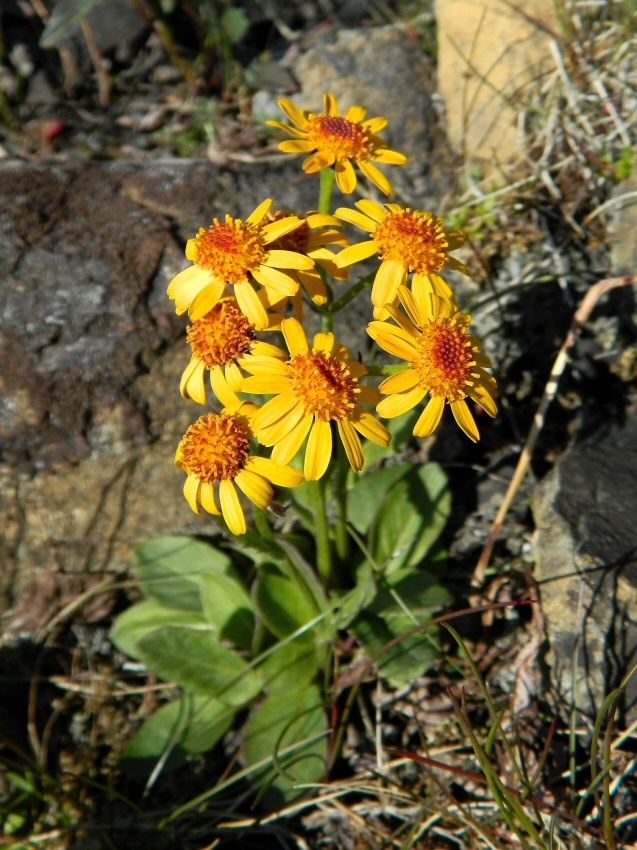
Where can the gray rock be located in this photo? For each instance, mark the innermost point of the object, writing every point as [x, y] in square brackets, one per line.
[586, 549]
[92, 353]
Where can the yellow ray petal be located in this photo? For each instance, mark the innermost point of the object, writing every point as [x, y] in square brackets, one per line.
[285, 450]
[313, 284]
[370, 396]
[399, 403]
[294, 336]
[375, 125]
[282, 476]
[266, 384]
[205, 300]
[356, 218]
[275, 409]
[281, 429]
[352, 443]
[484, 399]
[231, 507]
[329, 104]
[389, 157]
[318, 160]
[367, 424]
[233, 376]
[399, 383]
[345, 177]
[393, 343]
[260, 212]
[207, 499]
[389, 277]
[356, 254]
[372, 209]
[464, 419]
[296, 146]
[318, 451]
[288, 260]
[228, 398]
[256, 488]
[250, 306]
[356, 114]
[283, 283]
[295, 115]
[429, 419]
[376, 176]
[192, 384]
[293, 131]
[324, 342]
[191, 491]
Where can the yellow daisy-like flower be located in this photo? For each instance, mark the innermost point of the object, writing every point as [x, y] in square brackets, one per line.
[337, 141]
[220, 341]
[237, 253]
[444, 361]
[311, 238]
[215, 454]
[315, 387]
[407, 241]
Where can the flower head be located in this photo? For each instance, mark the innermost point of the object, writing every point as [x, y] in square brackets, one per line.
[215, 454]
[337, 140]
[237, 253]
[407, 241]
[221, 340]
[315, 387]
[444, 361]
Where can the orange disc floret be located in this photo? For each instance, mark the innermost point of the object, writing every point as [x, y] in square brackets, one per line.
[221, 336]
[215, 448]
[229, 249]
[323, 385]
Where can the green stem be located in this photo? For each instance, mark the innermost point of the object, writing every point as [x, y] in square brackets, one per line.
[263, 526]
[324, 565]
[352, 292]
[328, 175]
[340, 492]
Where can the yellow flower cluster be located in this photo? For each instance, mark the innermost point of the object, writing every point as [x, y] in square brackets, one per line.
[250, 277]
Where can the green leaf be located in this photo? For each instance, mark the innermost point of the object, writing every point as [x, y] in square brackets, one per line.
[291, 667]
[282, 604]
[196, 660]
[168, 569]
[66, 15]
[235, 24]
[228, 608]
[145, 617]
[411, 657]
[283, 721]
[411, 518]
[187, 726]
[367, 495]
